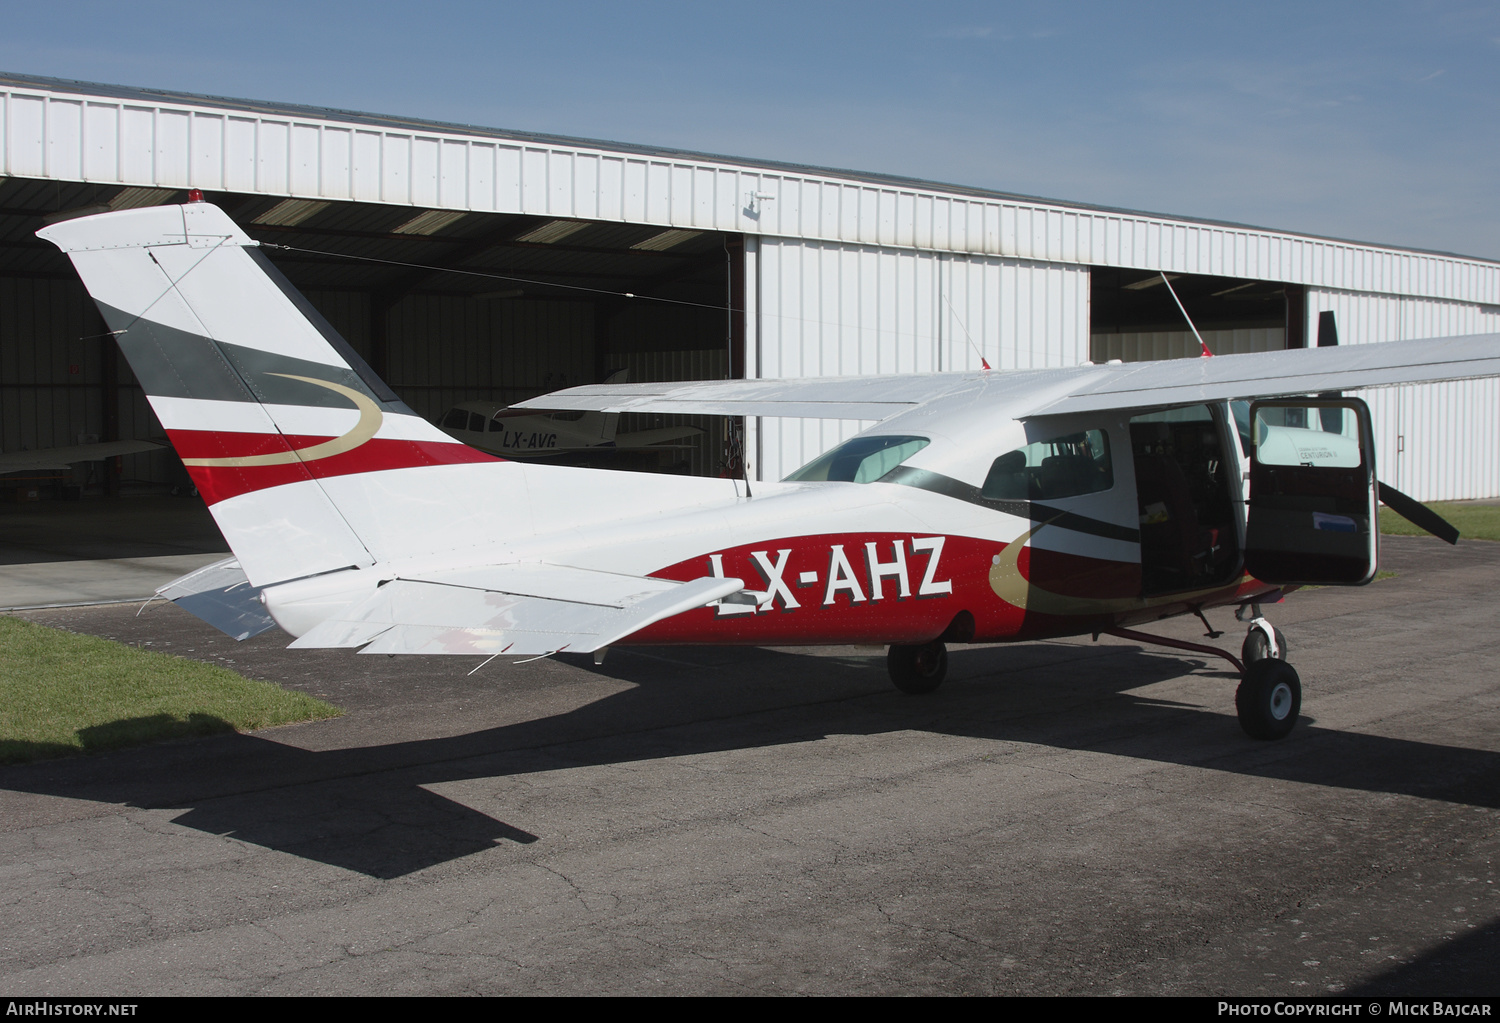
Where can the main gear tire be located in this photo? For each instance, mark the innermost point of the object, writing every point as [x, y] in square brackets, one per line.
[917, 669]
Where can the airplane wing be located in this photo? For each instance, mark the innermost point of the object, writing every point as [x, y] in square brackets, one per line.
[813, 398]
[657, 438]
[530, 609]
[61, 458]
[1059, 391]
[1290, 372]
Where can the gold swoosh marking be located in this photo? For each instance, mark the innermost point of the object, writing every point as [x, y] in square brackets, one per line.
[1013, 588]
[370, 418]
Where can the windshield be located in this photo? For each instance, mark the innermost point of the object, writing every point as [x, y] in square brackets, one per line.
[861, 460]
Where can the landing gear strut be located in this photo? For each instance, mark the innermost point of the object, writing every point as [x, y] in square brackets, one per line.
[1262, 640]
[1269, 696]
[917, 669]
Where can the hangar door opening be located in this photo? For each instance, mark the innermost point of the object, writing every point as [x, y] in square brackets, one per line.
[1132, 315]
[465, 313]
[449, 307]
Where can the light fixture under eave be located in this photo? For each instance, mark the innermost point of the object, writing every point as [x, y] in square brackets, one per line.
[431, 222]
[1150, 282]
[553, 231]
[135, 198]
[1230, 291]
[666, 240]
[291, 212]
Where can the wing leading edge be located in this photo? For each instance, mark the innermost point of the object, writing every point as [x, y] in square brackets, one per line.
[1273, 374]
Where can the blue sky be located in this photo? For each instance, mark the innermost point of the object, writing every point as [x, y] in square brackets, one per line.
[1372, 121]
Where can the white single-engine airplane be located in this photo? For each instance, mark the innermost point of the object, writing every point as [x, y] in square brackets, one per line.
[523, 433]
[983, 507]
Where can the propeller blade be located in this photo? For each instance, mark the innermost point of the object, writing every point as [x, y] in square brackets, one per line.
[1418, 514]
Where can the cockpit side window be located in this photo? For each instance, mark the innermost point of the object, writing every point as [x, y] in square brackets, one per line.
[456, 419]
[861, 460]
[1047, 470]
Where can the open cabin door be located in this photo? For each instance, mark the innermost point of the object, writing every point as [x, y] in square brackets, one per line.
[1312, 509]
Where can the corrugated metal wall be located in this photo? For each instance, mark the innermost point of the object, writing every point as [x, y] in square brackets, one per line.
[448, 349]
[51, 379]
[58, 133]
[707, 454]
[1436, 442]
[53, 351]
[846, 310]
[1140, 346]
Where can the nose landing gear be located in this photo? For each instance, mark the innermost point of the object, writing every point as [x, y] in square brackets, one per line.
[1269, 696]
[1262, 640]
[1268, 699]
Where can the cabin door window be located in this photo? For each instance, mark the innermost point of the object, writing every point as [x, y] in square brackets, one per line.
[1312, 508]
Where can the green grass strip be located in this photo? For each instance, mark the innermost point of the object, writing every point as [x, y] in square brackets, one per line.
[62, 693]
[1473, 521]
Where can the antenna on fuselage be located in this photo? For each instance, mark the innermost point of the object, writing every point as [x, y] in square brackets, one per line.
[1203, 347]
[982, 360]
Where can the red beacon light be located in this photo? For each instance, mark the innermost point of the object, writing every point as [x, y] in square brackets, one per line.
[195, 195]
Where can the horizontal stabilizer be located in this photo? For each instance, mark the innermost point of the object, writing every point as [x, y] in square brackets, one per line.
[61, 458]
[221, 596]
[423, 616]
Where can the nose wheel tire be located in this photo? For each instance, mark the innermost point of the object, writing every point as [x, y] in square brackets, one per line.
[917, 669]
[1269, 699]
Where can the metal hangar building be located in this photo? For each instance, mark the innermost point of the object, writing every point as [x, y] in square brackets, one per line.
[468, 263]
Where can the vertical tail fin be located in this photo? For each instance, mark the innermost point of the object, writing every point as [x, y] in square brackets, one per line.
[256, 391]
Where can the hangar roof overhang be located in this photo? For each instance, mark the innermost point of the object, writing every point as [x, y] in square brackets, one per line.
[388, 251]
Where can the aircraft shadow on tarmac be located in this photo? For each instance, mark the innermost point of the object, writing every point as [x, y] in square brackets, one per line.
[1462, 967]
[368, 810]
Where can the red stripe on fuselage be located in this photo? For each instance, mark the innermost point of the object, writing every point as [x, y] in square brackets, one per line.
[825, 614]
[955, 577]
[218, 483]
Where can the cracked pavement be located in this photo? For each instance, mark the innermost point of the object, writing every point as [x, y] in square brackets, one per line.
[1060, 817]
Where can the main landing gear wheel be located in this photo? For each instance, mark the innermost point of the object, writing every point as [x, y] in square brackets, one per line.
[1258, 648]
[917, 669]
[1268, 699]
